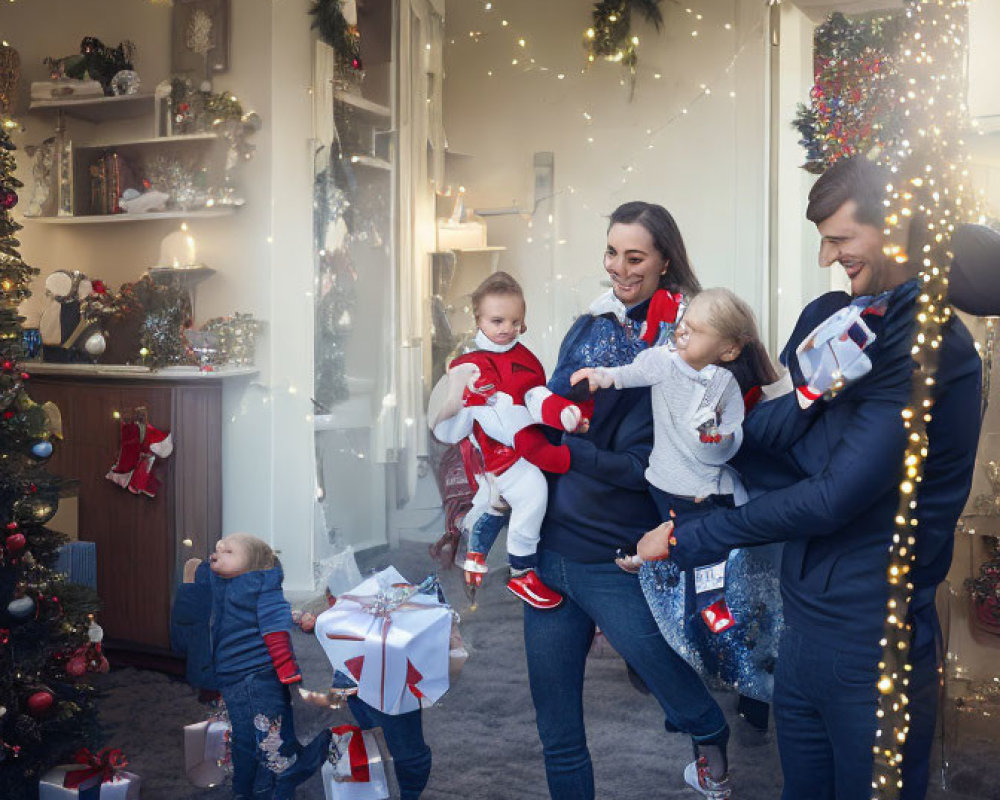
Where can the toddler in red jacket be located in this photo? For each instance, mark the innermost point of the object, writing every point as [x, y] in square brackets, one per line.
[496, 396]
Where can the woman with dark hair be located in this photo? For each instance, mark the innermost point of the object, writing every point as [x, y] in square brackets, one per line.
[602, 506]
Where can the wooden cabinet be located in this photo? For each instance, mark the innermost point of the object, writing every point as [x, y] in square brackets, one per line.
[142, 542]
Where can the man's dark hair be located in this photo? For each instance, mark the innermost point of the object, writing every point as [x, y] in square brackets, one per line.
[856, 179]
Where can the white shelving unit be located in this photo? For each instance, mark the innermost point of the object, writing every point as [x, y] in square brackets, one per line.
[152, 216]
[97, 109]
[75, 159]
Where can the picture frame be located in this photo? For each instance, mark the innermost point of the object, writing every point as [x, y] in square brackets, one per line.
[200, 38]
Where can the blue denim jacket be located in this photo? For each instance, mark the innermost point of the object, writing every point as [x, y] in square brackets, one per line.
[220, 623]
[602, 504]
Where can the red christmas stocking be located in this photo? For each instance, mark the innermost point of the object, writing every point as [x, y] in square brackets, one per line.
[156, 444]
[128, 454]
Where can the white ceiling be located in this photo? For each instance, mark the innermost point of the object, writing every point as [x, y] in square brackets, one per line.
[819, 9]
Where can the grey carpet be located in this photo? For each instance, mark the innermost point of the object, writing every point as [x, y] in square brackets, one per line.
[483, 732]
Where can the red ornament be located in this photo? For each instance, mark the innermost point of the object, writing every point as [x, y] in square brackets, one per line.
[12, 526]
[76, 666]
[8, 414]
[8, 199]
[8, 365]
[15, 543]
[25, 376]
[4, 635]
[39, 703]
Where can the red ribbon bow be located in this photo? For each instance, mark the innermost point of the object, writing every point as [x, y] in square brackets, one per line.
[357, 753]
[662, 308]
[104, 763]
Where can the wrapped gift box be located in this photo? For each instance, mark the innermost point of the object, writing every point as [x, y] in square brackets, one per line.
[392, 641]
[78, 562]
[122, 786]
[360, 766]
[206, 752]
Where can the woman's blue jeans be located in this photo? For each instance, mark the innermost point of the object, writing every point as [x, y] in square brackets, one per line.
[557, 643]
[268, 761]
[404, 736]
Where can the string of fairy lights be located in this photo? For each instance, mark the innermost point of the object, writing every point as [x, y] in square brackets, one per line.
[688, 17]
[928, 196]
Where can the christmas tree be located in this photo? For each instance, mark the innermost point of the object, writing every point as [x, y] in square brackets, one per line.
[47, 637]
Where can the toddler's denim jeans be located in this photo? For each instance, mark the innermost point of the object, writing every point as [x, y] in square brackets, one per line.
[268, 761]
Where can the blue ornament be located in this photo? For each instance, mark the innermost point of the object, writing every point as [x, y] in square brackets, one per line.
[21, 608]
[41, 449]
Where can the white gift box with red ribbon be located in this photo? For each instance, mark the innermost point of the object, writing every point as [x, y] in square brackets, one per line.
[206, 752]
[52, 785]
[393, 641]
[363, 769]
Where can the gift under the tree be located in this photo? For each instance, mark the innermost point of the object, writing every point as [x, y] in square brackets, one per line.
[359, 767]
[392, 638]
[206, 752]
[78, 562]
[94, 776]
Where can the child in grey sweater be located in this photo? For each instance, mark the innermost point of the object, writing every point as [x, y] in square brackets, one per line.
[697, 402]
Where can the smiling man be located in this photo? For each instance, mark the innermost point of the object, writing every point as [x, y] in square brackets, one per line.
[824, 478]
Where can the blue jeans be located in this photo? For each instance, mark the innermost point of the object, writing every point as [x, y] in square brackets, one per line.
[404, 735]
[557, 643]
[268, 761]
[824, 711]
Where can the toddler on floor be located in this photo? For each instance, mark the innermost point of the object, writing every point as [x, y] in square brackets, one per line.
[231, 615]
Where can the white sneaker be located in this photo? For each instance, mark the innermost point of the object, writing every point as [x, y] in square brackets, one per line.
[696, 776]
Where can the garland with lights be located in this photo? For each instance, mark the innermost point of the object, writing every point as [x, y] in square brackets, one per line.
[610, 35]
[853, 107]
[46, 709]
[928, 196]
[336, 31]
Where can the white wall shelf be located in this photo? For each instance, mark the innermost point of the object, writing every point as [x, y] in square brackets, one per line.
[363, 104]
[190, 138]
[205, 213]
[98, 109]
[371, 162]
[495, 249]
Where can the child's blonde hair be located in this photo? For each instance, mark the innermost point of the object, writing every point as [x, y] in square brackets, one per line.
[734, 320]
[259, 553]
[499, 283]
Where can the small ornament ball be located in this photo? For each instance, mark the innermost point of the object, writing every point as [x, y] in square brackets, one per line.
[21, 608]
[41, 449]
[15, 543]
[95, 344]
[39, 703]
[8, 199]
[76, 666]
